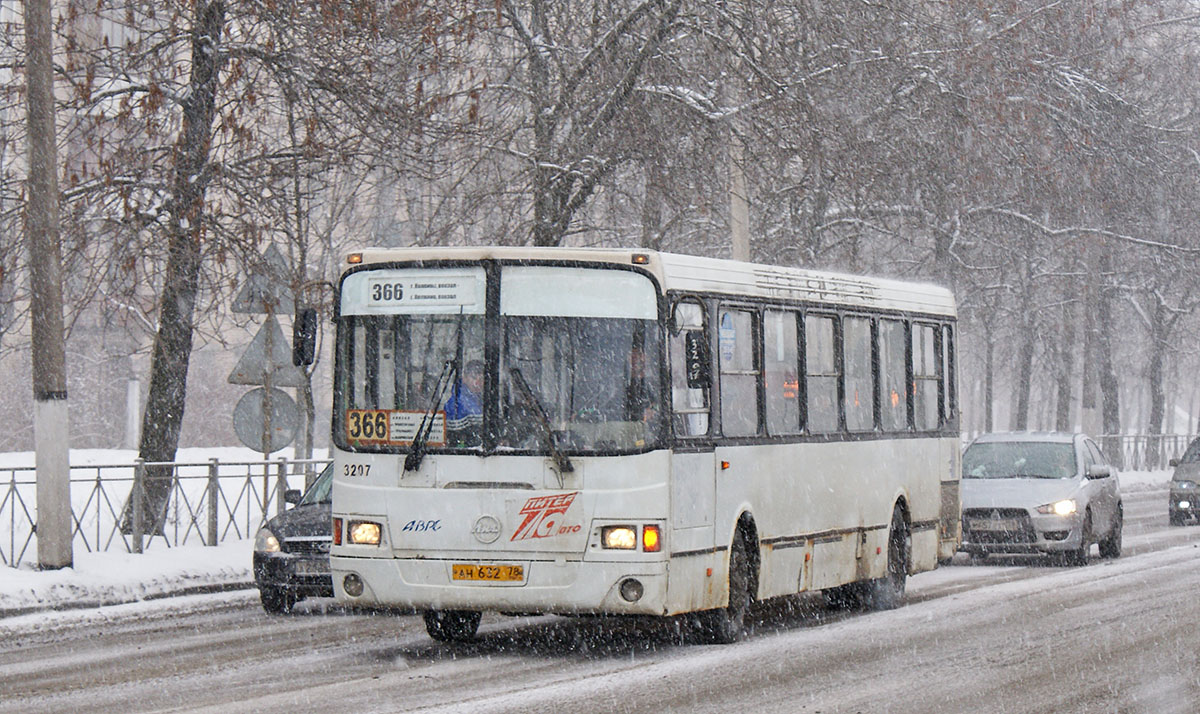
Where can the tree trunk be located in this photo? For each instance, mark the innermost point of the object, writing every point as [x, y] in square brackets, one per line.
[173, 343]
[989, 384]
[545, 213]
[1020, 420]
[1154, 384]
[652, 206]
[1110, 396]
[1066, 354]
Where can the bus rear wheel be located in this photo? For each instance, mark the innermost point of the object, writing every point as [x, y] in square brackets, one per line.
[887, 593]
[727, 625]
[452, 625]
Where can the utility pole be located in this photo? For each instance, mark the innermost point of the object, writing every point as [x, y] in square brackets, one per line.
[739, 200]
[45, 279]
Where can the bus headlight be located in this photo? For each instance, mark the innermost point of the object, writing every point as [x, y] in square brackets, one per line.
[1064, 507]
[363, 532]
[266, 542]
[619, 537]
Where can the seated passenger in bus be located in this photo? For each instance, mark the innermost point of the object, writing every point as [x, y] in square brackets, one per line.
[464, 408]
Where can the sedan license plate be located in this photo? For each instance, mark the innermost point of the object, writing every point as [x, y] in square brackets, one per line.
[312, 567]
[996, 524]
[498, 573]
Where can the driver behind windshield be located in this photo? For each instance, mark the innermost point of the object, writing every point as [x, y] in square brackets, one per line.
[464, 407]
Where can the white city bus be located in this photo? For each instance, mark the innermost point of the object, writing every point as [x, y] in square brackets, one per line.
[655, 434]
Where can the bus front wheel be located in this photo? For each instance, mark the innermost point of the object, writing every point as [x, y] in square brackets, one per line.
[726, 625]
[887, 593]
[452, 625]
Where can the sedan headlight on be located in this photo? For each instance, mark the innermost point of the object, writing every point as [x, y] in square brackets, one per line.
[266, 542]
[1184, 484]
[1064, 507]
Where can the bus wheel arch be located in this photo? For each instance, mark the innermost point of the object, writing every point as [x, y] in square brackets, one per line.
[887, 592]
[726, 625]
[748, 532]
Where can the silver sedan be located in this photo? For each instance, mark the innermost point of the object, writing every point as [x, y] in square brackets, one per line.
[1040, 493]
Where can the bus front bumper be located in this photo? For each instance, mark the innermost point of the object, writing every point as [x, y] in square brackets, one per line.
[558, 587]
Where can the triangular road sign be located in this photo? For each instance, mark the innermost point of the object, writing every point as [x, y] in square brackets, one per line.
[266, 289]
[269, 353]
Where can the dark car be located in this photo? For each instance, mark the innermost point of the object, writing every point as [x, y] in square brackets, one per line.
[291, 552]
[1183, 503]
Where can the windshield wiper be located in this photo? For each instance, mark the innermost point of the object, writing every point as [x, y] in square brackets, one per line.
[412, 462]
[450, 374]
[561, 461]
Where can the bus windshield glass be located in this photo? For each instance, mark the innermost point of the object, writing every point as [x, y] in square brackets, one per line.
[410, 357]
[585, 342]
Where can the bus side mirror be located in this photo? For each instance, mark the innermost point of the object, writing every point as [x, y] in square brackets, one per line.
[699, 371]
[304, 337]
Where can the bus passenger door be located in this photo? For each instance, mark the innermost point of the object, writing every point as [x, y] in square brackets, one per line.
[693, 498]
[693, 488]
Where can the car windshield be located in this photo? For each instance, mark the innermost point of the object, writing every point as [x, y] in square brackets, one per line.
[1019, 459]
[319, 491]
[1192, 455]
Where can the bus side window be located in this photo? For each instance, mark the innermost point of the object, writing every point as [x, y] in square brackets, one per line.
[860, 387]
[925, 378]
[689, 404]
[822, 374]
[781, 365]
[739, 373]
[893, 375]
[950, 396]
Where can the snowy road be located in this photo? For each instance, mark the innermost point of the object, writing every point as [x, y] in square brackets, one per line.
[1008, 636]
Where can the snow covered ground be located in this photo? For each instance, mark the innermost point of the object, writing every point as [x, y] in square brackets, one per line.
[112, 578]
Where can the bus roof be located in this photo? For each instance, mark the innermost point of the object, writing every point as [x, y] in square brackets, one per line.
[688, 273]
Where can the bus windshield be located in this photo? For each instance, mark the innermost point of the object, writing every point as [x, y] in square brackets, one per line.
[591, 379]
[585, 344]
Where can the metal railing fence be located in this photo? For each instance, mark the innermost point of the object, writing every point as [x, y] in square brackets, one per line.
[1144, 452]
[208, 503]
